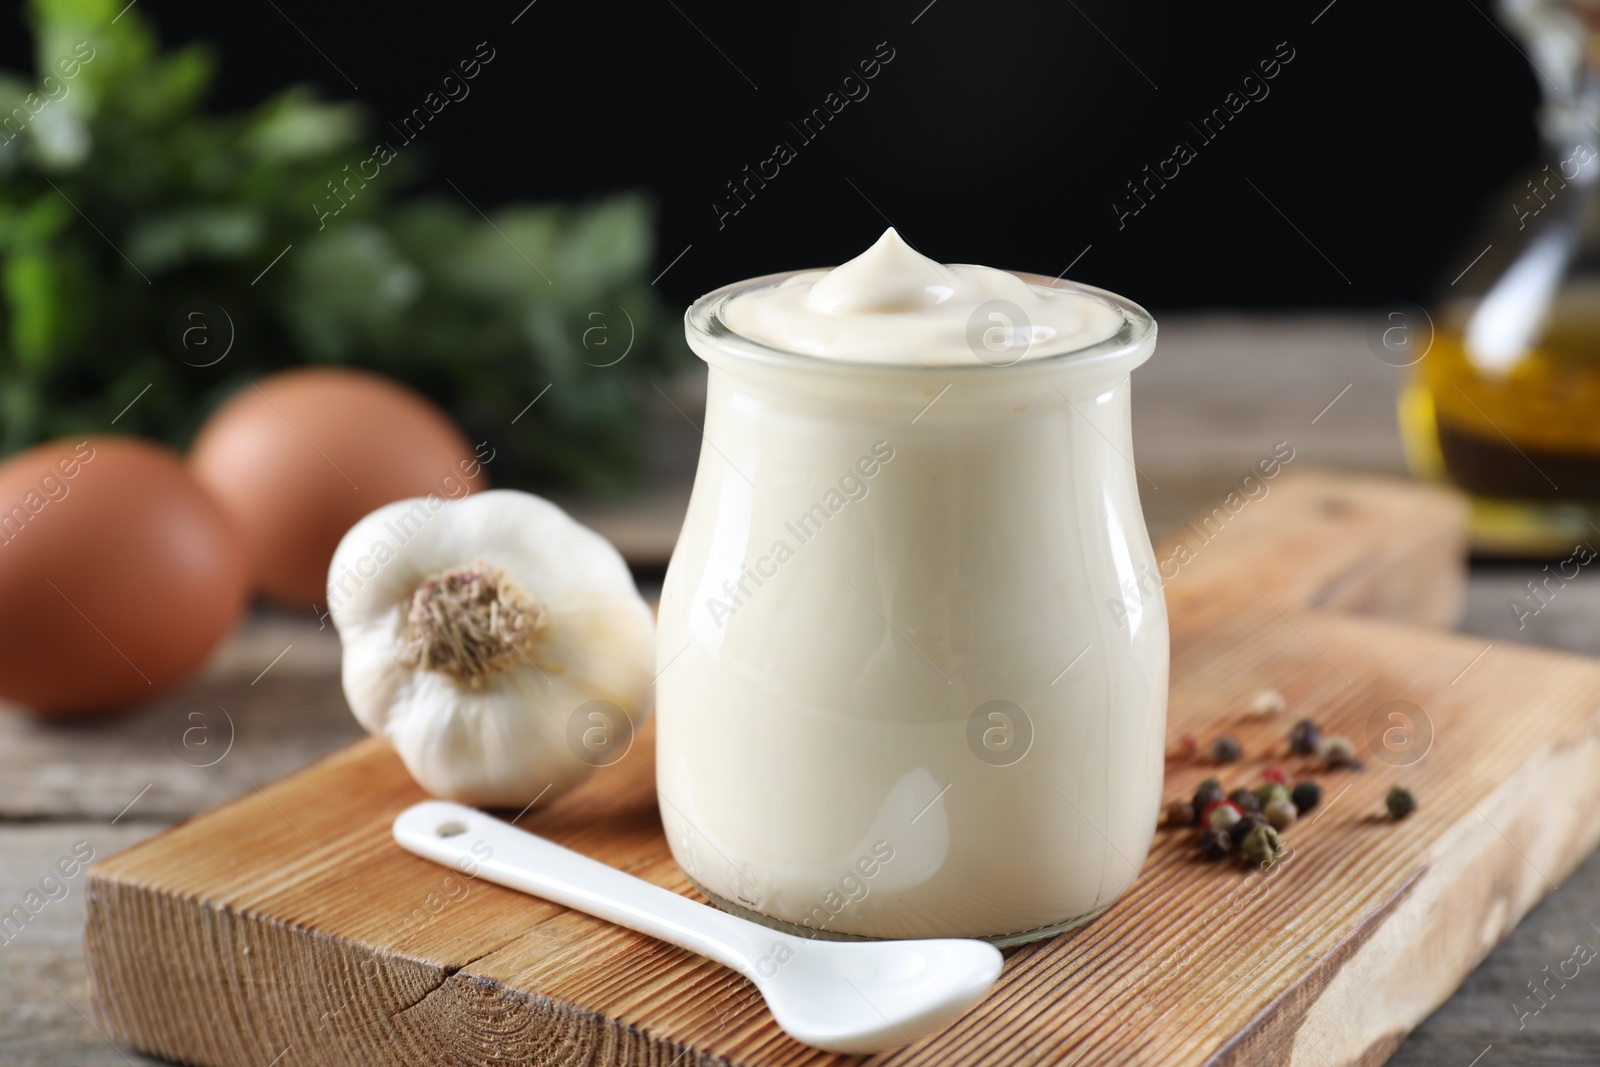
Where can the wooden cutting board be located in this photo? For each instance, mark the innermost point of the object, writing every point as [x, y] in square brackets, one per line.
[287, 928]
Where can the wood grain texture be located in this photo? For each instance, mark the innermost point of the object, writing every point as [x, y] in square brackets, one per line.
[245, 720]
[1487, 1016]
[43, 986]
[289, 920]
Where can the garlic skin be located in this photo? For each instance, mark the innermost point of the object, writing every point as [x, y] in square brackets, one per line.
[473, 630]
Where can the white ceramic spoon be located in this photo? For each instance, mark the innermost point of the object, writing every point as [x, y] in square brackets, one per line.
[843, 996]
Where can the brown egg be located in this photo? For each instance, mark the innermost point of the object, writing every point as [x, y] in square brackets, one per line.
[118, 575]
[298, 457]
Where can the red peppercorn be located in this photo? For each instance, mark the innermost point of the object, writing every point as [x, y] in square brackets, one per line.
[1276, 774]
[1205, 812]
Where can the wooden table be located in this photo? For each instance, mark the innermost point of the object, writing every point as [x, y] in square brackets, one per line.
[1221, 392]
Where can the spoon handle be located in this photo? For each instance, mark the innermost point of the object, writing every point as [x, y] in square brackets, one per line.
[482, 846]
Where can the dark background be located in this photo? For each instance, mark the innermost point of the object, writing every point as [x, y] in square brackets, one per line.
[1000, 133]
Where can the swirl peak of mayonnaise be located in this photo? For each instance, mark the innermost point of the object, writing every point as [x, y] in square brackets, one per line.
[891, 304]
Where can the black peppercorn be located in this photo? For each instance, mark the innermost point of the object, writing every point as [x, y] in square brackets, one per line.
[1226, 749]
[1401, 802]
[1306, 796]
[1241, 829]
[1245, 801]
[1215, 844]
[1305, 737]
[1209, 790]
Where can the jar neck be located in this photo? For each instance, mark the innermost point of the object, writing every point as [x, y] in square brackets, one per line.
[904, 393]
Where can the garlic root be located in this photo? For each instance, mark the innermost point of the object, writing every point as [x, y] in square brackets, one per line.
[470, 623]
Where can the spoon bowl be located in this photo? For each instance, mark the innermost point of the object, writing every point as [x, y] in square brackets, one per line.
[843, 996]
[867, 996]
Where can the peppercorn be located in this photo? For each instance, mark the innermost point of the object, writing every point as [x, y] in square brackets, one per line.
[1401, 802]
[1267, 702]
[1187, 747]
[1263, 846]
[1280, 813]
[1226, 749]
[1306, 796]
[1180, 813]
[1241, 829]
[1245, 801]
[1215, 844]
[1209, 790]
[1304, 737]
[1338, 752]
[1276, 774]
[1267, 792]
[1221, 814]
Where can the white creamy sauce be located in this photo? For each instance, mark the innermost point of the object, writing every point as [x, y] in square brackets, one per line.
[891, 304]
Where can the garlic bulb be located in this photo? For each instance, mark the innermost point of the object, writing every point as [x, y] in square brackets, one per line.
[499, 646]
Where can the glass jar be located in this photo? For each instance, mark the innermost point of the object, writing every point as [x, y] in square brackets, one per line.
[911, 684]
[1504, 403]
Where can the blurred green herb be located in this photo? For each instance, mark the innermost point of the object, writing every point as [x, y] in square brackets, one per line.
[123, 207]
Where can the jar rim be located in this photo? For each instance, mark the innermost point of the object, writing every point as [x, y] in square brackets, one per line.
[704, 323]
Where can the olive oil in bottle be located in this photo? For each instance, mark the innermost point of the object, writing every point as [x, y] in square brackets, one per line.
[1505, 401]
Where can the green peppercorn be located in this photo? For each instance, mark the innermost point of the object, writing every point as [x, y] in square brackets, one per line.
[1401, 802]
[1280, 813]
[1267, 792]
[1209, 790]
[1245, 801]
[1241, 829]
[1304, 737]
[1226, 749]
[1306, 796]
[1338, 752]
[1263, 846]
[1180, 813]
[1215, 844]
